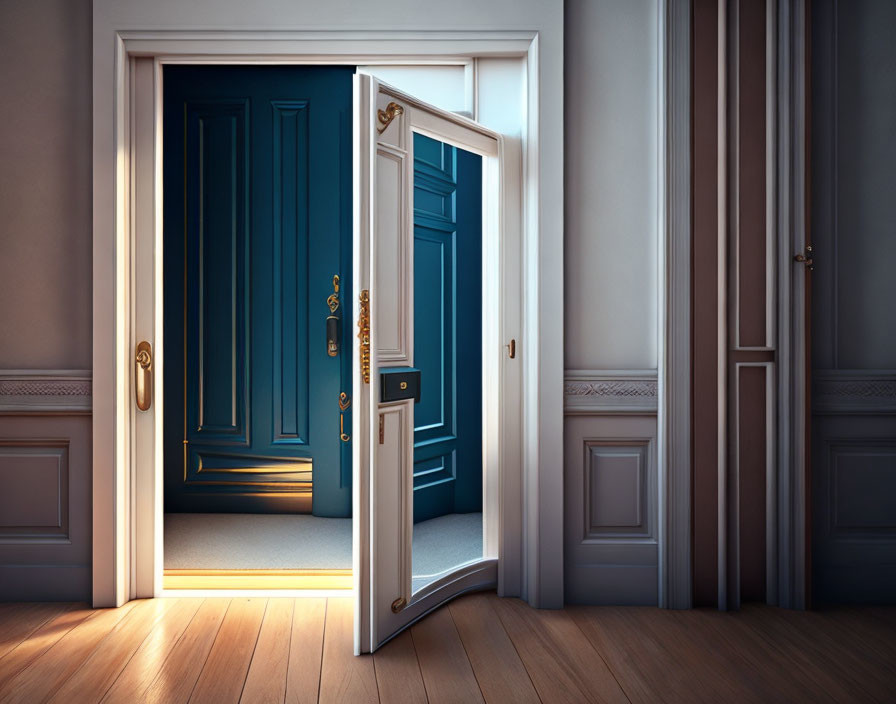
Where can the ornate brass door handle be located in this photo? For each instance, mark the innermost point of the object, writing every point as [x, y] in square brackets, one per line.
[333, 320]
[364, 334]
[143, 375]
[344, 403]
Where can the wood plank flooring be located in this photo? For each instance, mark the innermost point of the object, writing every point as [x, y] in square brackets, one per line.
[478, 648]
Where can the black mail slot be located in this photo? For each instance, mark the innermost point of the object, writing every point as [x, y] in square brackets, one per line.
[399, 383]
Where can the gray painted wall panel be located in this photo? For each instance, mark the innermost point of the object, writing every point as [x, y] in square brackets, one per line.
[853, 288]
[45, 177]
[865, 226]
[45, 530]
[610, 509]
[612, 176]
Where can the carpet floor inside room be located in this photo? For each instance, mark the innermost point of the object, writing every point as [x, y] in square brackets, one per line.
[237, 541]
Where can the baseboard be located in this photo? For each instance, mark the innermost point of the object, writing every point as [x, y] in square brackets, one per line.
[45, 582]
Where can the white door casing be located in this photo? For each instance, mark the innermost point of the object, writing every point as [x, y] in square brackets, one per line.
[516, 77]
[383, 432]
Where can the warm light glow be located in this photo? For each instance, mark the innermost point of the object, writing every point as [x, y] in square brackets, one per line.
[257, 579]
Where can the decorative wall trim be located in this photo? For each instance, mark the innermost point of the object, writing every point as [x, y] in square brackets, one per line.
[35, 476]
[599, 391]
[45, 391]
[791, 187]
[614, 560]
[854, 392]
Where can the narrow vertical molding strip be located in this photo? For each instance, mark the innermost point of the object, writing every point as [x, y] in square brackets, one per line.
[676, 396]
[706, 203]
[792, 417]
[721, 307]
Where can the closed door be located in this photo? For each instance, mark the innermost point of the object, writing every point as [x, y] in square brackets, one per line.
[257, 218]
[853, 450]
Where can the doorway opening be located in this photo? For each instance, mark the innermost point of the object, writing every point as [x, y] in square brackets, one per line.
[258, 328]
[257, 272]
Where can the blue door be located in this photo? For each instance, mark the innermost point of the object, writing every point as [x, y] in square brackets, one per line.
[447, 329]
[257, 223]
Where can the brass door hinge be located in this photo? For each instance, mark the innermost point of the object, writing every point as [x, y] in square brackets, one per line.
[382, 429]
[806, 258]
[385, 117]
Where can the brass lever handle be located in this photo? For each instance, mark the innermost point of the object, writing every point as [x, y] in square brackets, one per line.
[511, 349]
[333, 320]
[143, 375]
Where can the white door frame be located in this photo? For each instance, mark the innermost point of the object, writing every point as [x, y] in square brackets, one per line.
[532, 498]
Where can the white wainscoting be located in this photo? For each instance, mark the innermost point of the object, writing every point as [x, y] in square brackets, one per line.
[45, 476]
[611, 492]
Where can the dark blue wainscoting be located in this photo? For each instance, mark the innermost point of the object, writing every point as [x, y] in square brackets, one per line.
[257, 220]
[447, 329]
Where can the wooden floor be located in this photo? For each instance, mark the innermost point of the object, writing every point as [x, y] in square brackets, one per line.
[478, 648]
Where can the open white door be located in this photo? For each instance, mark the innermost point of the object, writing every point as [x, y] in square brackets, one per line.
[383, 432]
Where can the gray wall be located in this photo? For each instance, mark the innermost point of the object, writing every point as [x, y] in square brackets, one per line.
[611, 183]
[612, 190]
[45, 298]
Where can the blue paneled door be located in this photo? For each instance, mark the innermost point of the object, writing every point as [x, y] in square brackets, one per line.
[447, 329]
[257, 222]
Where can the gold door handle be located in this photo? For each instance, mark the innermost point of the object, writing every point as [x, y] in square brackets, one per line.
[511, 349]
[364, 333]
[344, 403]
[333, 320]
[143, 375]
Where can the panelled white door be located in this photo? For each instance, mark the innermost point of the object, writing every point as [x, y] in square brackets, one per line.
[385, 121]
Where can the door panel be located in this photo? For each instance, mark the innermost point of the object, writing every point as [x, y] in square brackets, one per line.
[260, 156]
[386, 259]
[853, 426]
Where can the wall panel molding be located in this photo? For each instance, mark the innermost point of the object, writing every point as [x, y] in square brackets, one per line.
[611, 392]
[611, 524]
[854, 392]
[45, 391]
[45, 507]
[616, 497]
[34, 505]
